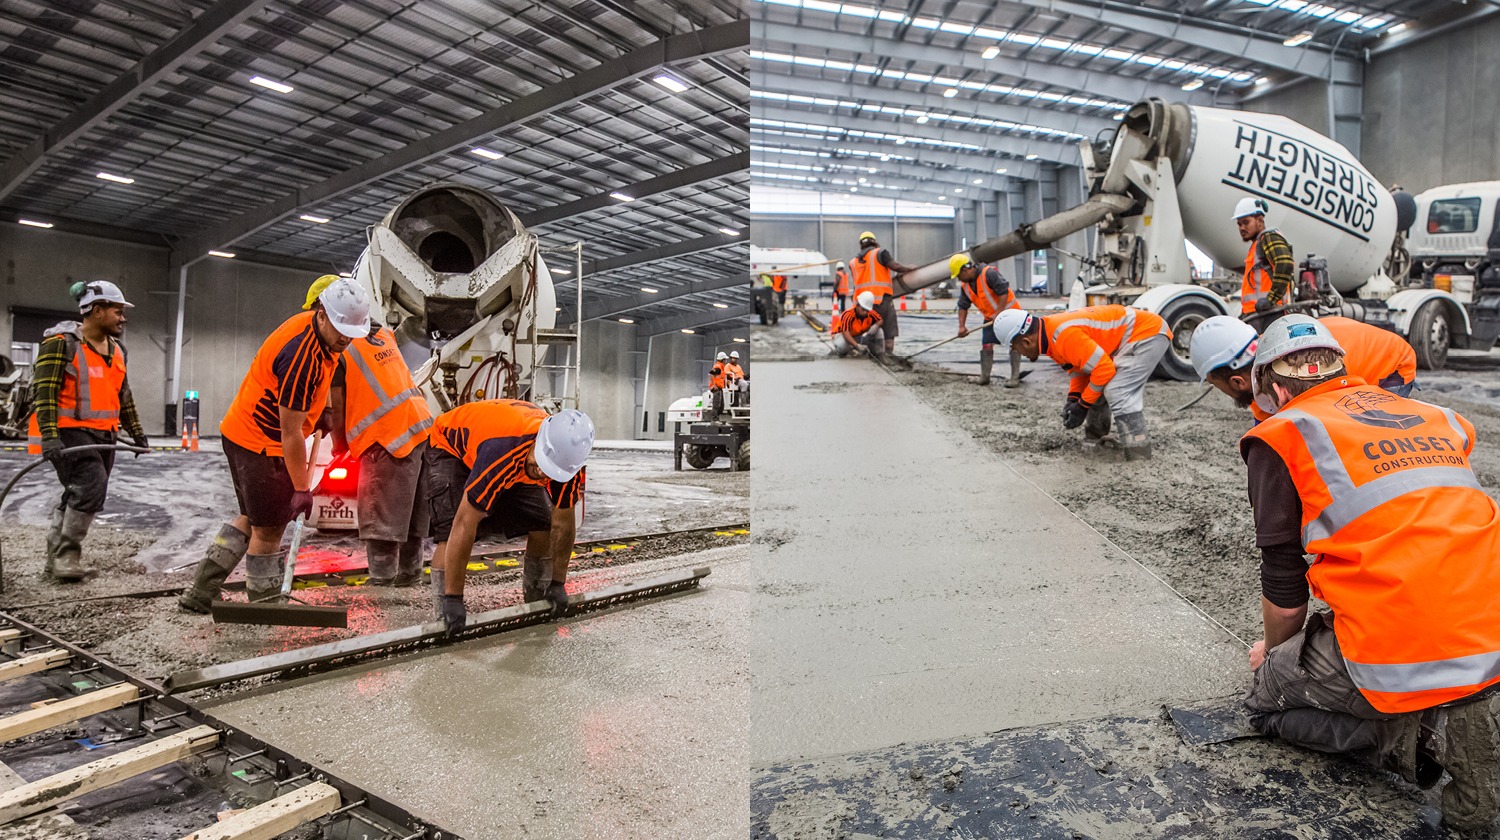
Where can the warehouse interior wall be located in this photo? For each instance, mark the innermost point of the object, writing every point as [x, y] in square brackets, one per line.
[1305, 101]
[914, 241]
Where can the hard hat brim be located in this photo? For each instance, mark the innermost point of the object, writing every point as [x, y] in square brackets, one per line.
[550, 468]
[352, 330]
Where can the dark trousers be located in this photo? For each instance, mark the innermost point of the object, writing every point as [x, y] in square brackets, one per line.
[85, 476]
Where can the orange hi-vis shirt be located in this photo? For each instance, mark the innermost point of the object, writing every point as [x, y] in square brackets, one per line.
[1084, 340]
[983, 296]
[382, 404]
[716, 377]
[733, 371]
[1407, 542]
[1370, 353]
[493, 438]
[851, 323]
[870, 275]
[291, 370]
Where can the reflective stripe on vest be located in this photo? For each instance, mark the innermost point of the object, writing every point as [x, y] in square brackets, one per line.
[1127, 321]
[870, 275]
[388, 402]
[77, 404]
[1256, 284]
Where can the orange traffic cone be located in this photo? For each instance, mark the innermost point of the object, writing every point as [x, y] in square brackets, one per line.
[195, 438]
[903, 303]
[184, 437]
[922, 297]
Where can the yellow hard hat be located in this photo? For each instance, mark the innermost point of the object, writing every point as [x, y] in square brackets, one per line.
[317, 288]
[957, 262]
[867, 235]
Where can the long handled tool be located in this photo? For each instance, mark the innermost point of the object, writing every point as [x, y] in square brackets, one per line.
[945, 341]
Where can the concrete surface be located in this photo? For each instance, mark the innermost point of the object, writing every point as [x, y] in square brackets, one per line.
[631, 723]
[910, 586]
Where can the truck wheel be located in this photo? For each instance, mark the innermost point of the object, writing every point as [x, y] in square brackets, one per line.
[742, 460]
[1430, 337]
[1183, 316]
[698, 457]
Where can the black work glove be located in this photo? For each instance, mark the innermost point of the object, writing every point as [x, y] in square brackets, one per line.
[140, 442]
[454, 614]
[1074, 413]
[325, 423]
[302, 503]
[52, 448]
[1265, 304]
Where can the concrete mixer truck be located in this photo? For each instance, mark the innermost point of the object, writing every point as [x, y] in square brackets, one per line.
[1173, 173]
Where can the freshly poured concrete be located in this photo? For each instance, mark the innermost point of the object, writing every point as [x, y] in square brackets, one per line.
[911, 586]
[626, 724]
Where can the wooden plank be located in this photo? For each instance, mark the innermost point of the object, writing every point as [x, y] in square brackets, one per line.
[270, 819]
[56, 789]
[66, 711]
[35, 663]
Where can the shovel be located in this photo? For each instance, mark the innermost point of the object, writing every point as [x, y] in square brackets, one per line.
[945, 341]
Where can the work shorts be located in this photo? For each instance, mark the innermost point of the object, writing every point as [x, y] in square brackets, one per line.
[987, 335]
[518, 510]
[261, 484]
[392, 495]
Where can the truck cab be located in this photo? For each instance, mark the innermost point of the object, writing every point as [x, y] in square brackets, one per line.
[1455, 248]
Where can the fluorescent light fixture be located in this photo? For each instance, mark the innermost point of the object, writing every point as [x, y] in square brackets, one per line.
[345, 274]
[225, 254]
[1299, 39]
[486, 153]
[1400, 27]
[989, 52]
[561, 271]
[115, 179]
[1000, 171]
[721, 306]
[900, 141]
[950, 93]
[1263, 80]
[271, 84]
[740, 340]
[854, 189]
[670, 83]
[942, 198]
[1031, 157]
[686, 331]
[862, 180]
[1193, 85]
[885, 158]
[619, 196]
[922, 120]
[626, 321]
[648, 290]
[34, 223]
[729, 231]
[979, 180]
[958, 189]
[317, 220]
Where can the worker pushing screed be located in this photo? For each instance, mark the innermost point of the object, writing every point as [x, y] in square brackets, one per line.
[1109, 352]
[506, 466]
[265, 432]
[984, 287]
[82, 397]
[1223, 353]
[1380, 490]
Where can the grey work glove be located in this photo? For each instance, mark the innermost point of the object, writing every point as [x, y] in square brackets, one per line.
[453, 612]
[52, 449]
[302, 504]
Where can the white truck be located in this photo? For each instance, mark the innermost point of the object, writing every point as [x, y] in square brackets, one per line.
[1173, 173]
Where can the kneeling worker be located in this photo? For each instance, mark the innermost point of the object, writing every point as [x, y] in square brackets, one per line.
[858, 330]
[1406, 544]
[986, 288]
[1223, 351]
[1110, 351]
[510, 465]
[265, 441]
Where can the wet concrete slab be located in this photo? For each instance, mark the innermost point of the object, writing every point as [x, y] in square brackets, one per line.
[631, 723]
[911, 586]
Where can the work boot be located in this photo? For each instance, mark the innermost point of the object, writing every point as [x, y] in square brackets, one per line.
[53, 537]
[1469, 750]
[986, 364]
[437, 591]
[536, 575]
[68, 565]
[263, 574]
[223, 554]
[380, 558]
[1015, 369]
[1134, 437]
[409, 563]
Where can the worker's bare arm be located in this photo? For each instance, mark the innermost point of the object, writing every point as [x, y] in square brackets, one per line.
[460, 546]
[293, 447]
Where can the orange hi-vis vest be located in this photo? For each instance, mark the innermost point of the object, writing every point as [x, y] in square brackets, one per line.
[853, 324]
[1084, 340]
[870, 275]
[980, 295]
[716, 377]
[841, 282]
[253, 419]
[1407, 543]
[778, 282]
[90, 393]
[733, 371]
[1370, 353]
[1257, 280]
[382, 404]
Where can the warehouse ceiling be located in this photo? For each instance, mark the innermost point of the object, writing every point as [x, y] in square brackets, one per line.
[937, 100]
[279, 130]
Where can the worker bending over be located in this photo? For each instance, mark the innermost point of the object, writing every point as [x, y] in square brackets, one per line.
[858, 330]
[265, 441]
[735, 379]
[985, 287]
[1223, 351]
[1269, 264]
[381, 418]
[873, 271]
[1110, 352]
[1406, 552]
[81, 396]
[506, 465]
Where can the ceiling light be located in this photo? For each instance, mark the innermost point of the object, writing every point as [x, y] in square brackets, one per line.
[871, 170]
[626, 321]
[854, 189]
[1400, 27]
[557, 309]
[225, 254]
[317, 220]
[885, 158]
[1299, 39]
[862, 180]
[958, 189]
[900, 141]
[740, 340]
[648, 290]
[1263, 80]
[270, 84]
[117, 179]
[1193, 85]
[950, 93]
[561, 271]
[942, 198]
[619, 196]
[922, 120]
[345, 274]
[670, 83]
[1000, 171]
[729, 231]
[1031, 157]
[34, 223]
[990, 52]
[486, 154]
[686, 330]
[979, 180]
[721, 306]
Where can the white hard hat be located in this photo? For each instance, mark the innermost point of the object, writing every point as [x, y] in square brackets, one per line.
[1290, 333]
[865, 299]
[1009, 324]
[1222, 341]
[840, 265]
[563, 443]
[721, 357]
[734, 354]
[348, 307]
[1250, 207]
[95, 291]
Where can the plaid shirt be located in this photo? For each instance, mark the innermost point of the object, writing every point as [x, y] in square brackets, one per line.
[48, 373]
[1278, 252]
